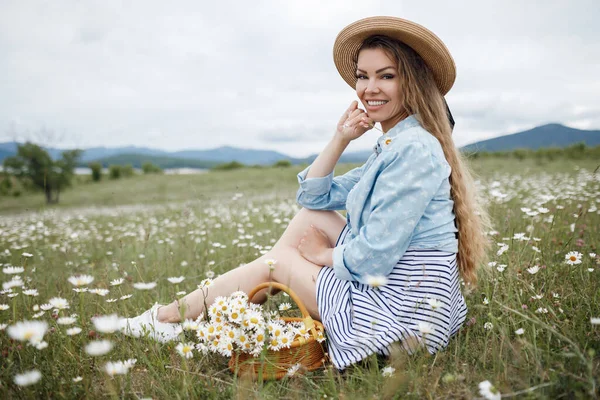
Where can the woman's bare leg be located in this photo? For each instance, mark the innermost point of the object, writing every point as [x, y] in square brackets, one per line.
[291, 269]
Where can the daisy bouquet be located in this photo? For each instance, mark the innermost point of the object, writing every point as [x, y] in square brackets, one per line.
[254, 338]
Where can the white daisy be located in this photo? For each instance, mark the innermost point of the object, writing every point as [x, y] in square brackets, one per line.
[13, 270]
[293, 369]
[573, 258]
[28, 378]
[106, 323]
[117, 282]
[285, 306]
[488, 391]
[98, 347]
[4, 307]
[117, 368]
[175, 280]
[73, 331]
[81, 280]
[32, 331]
[144, 285]
[533, 270]
[66, 321]
[388, 371]
[520, 331]
[376, 280]
[185, 350]
[425, 327]
[435, 303]
[58, 303]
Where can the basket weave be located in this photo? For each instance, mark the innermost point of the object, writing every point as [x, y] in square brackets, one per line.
[309, 353]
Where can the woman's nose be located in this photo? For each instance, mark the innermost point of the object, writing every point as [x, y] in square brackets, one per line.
[372, 86]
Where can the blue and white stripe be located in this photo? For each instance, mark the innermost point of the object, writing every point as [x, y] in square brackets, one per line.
[361, 320]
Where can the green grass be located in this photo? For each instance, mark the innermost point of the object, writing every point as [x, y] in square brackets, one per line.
[148, 228]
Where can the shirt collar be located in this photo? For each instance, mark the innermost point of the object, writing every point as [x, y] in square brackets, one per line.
[407, 123]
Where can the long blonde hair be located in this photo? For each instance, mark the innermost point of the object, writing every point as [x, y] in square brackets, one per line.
[422, 97]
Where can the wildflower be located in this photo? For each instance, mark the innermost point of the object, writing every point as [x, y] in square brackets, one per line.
[111, 300]
[185, 350]
[106, 323]
[4, 307]
[210, 274]
[13, 270]
[81, 280]
[205, 283]
[376, 280]
[488, 326]
[40, 345]
[28, 378]
[503, 248]
[435, 303]
[573, 258]
[175, 280]
[184, 263]
[486, 300]
[77, 379]
[117, 282]
[73, 331]
[3, 326]
[425, 327]
[31, 292]
[595, 321]
[488, 391]
[388, 371]
[285, 306]
[28, 255]
[520, 331]
[144, 285]
[592, 255]
[99, 292]
[125, 296]
[80, 290]
[271, 263]
[33, 331]
[66, 321]
[542, 310]
[190, 325]
[117, 368]
[533, 270]
[98, 347]
[293, 369]
[58, 303]
[501, 267]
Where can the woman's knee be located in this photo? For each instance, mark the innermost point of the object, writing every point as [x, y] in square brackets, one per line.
[331, 222]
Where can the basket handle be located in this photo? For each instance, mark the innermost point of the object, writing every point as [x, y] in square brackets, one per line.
[308, 321]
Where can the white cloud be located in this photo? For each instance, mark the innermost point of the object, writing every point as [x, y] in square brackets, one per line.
[260, 75]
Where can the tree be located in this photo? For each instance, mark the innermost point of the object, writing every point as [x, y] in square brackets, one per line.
[35, 168]
[96, 168]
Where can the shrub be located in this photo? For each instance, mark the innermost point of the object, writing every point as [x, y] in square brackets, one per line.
[96, 168]
[282, 164]
[127, 170]
[149, 168]
[229, 166]
[114, 171]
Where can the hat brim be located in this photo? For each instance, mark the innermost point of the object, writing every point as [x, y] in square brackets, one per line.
[422, 40]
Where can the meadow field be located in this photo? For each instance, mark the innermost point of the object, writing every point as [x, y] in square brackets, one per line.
[533, 328]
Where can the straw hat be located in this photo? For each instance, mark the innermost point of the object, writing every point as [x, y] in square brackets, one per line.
[422, 40]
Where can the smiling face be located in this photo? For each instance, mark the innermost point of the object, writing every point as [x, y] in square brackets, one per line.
[378, 87]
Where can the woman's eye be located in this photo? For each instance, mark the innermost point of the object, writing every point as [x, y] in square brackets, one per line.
[359, 76]
[388, 76]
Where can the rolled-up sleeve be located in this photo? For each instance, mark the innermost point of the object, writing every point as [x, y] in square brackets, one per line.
[404, 182]
[326, 193]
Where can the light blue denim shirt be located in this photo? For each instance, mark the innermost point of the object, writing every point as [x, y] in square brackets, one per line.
[398, 200]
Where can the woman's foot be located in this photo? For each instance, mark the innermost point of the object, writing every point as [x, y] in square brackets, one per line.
[148, 324]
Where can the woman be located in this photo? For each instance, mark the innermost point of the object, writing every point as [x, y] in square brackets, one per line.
[412, 222]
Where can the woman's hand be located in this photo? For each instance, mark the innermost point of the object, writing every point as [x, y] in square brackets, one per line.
[314, 246]
[354, 123]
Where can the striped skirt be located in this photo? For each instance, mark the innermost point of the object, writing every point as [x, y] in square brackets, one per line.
[420, 305]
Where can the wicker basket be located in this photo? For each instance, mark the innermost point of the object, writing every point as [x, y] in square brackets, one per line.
[309, 353]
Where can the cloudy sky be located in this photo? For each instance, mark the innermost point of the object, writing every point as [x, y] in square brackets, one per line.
[202, 74]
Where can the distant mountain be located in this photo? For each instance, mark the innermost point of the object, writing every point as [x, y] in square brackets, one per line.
[137, 160]
[228, 153]
[551, 135]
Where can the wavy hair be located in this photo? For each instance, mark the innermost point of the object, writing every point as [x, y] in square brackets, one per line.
[422, 97]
